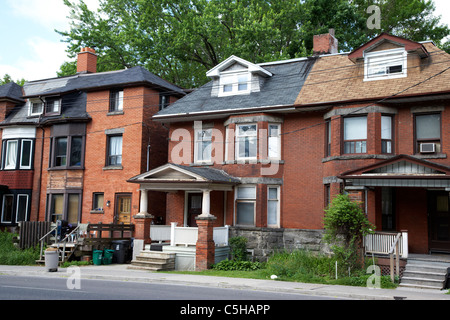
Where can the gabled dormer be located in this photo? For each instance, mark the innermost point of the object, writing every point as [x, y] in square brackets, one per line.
[386, 57]
[236, 76]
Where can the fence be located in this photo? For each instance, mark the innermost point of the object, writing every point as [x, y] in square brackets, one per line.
[382, 243]
[31, 231]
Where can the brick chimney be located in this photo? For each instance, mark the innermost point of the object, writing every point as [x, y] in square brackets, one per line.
[87, 61]
[325, 43]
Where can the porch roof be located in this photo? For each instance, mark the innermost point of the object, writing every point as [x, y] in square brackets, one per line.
[172, 177]
[400, 171]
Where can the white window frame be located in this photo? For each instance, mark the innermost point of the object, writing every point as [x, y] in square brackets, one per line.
[26, 206]
[21, 154]
[3, 208]
[277, 225]
[11, 167]
[241, 138]
[386, 59]
[245, 200]
[233, 80]
[276, 138]
[203, 139]
[30, 107]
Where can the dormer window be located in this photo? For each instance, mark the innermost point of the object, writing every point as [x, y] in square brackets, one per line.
[235, 83]
[386, 64]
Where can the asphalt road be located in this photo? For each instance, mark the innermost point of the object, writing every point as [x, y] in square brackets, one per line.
[39, 288]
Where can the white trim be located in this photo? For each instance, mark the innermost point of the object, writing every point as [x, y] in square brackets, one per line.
[388, 57]
[3, 208]
[26, 206]
[19, 132]
[21, 154]
[196, 141]
[277, 225]
[237, 137]
[252, 68]
[10, 167]
[278, 157]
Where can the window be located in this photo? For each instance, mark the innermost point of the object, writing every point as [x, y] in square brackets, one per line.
[274, 142]
[385, 64]
[236, 83]
[164, 100]
[355, 135]
[116, 100]
[36, 107]
[202, 148]
[386, 134]
[25, 154]
[245, 205]
[98, 201]
[68, 151]
[64, 206]
[246, 141]
[273, 206]
[11, 154]
[22, 208]
[428, 133]
[114, 150]
[52, 106]
[61, 152]
[7, 208]
[328, 138]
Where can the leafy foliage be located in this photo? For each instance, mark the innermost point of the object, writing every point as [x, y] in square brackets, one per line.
[237, 265]
[10, 255]
[238, 247]
[180, 40]
[345, 226]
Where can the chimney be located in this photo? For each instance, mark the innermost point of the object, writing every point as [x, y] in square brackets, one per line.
[87, 61]
[325, 43]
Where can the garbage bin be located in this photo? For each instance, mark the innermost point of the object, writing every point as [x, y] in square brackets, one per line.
[97, 257]
[51, 259]
[121, 251]
[108, 256]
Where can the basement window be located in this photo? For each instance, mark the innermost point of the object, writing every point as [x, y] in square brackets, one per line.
[387, 64]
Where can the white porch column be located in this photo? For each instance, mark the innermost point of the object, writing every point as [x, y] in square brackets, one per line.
[143, 202]
[405, 243]
[206, 204]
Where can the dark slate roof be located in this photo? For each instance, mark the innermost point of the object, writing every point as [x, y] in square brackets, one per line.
[211, 174]
[12, 91]
[89, 81]
[281, 89]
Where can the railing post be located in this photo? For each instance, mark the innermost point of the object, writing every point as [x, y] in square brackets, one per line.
[172, 233]
[405, 243]
[391, 260]
[397, 266]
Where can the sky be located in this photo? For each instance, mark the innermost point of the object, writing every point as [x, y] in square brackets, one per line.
[32, 50]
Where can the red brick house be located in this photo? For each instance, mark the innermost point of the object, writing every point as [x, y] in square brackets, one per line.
[264, 147]
[70, 143]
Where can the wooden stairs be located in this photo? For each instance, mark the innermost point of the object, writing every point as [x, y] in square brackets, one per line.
[153, 261]
[69, 251]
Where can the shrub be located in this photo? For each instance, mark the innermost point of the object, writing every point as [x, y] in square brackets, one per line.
[10, 255]
[237, 265]
[238, 246]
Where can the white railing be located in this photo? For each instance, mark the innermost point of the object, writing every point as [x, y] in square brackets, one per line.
[186, 236]
[159, 233]
[382, 243]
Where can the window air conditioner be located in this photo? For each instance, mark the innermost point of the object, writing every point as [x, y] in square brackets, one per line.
[427, 148]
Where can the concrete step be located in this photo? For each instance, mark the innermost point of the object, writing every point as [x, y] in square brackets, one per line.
[425, 274]
[425, 283]
[153, 261]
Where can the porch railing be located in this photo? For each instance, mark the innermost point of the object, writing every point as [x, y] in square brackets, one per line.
[185, 236]
[382, 242]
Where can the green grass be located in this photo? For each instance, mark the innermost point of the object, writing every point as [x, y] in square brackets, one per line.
[10, 255]
[299, 266]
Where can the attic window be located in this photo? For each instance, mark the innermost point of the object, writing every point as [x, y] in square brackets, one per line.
[234, 83]
[387, 64]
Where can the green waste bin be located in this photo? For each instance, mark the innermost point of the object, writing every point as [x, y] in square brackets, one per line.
[97, 257]
[108, 256]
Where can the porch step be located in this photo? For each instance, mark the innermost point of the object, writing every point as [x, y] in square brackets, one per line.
[425, 274]
[153, 261]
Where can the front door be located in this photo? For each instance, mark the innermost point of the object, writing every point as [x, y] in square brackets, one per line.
[194, 208]
[439, 221]
[123, 208]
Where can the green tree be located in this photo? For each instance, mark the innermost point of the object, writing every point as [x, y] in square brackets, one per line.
[345, 226]
[180, 40]
[7, 79]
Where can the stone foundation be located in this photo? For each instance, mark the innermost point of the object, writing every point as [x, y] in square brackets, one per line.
[263, 242]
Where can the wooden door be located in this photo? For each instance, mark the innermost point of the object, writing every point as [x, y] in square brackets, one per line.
[439, 221]
[123, 208]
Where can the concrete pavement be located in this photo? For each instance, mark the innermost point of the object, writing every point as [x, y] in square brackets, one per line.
[121, 272]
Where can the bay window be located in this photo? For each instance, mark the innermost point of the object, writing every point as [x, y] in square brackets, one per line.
[274, 142]
[246, 142]
[386, 134]
[355, 135]
[203, 145]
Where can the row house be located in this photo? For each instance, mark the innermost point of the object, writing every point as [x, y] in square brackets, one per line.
[70, 143]
[265, 147]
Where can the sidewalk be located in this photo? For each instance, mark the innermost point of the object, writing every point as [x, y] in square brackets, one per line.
[121, 272]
